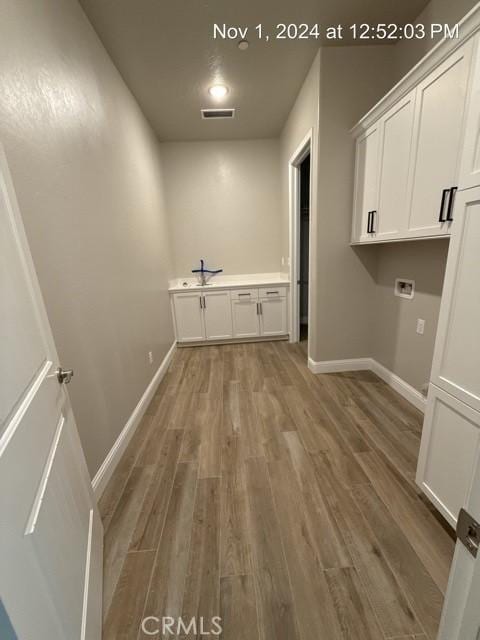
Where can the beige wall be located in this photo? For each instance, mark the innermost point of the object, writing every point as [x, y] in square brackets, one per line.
[86, 170]
[408, 53]
[352, 79]
[224, 205]
[303, 117]
[397, 345]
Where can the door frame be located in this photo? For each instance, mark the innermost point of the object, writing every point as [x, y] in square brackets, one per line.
[302, 151]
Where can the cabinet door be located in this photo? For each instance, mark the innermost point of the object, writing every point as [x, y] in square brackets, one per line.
[395, 160]
[218, 315]
[470, 159]
[189, 316]
[448, 452]
[273, 317]
[456, 362]
[366, 183]
[245, 315]
[439, 120]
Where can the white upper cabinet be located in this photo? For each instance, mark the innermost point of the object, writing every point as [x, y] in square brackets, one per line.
[394, 165]
[408, 160]
[366, 186]
[439, 124]
[470, 159]
[456, 363]
[218, 315]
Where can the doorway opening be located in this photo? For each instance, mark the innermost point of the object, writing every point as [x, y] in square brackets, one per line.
[300, 235]
[304, 242]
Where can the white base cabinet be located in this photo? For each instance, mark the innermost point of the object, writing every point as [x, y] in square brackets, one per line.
[449, 452]
[218, 315]
[189, 317]
[273, 316]
[245, 313]
[226, 314]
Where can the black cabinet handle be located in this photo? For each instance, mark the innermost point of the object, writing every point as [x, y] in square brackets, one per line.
[451, 198]
[369, 221]
[442, 205]
[372, 226]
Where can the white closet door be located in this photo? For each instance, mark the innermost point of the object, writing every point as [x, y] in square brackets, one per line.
[440, 110]
[218, 315]
[456, 363]
[395, 159]
[448, 452]
[366, 183]
[189, 322]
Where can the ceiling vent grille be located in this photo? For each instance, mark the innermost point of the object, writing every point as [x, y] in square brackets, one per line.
[210, 114]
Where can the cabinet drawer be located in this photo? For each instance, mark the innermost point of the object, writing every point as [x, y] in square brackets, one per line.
[273, 292]
[244, 294]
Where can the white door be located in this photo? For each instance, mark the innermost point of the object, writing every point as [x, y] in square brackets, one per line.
[456, 362]
[50, 529]
[448, 452]
[366, 184]
[245, 315]
[218, 315]
[395, 157]
[273, 316]
[461, 611]
[439, 123]
[189, 321]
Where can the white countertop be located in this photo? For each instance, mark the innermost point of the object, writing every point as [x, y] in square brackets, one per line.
[222, 281]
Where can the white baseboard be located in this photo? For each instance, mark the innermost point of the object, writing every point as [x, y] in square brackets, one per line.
[369, 364]
[400, 386]
[107, 467]
[336, 366]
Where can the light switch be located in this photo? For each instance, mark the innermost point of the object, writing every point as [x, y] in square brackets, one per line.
[420, 326]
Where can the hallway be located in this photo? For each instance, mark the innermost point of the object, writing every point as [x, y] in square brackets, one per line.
[282, 501]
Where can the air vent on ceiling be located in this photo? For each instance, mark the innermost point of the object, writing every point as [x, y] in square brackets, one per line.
[208, 114]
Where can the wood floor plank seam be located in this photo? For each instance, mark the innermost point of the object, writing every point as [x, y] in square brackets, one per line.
[156, 555]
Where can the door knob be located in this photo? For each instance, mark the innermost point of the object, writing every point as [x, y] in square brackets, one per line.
[64, 376]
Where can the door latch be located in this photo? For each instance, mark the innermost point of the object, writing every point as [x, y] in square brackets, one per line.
[64, 376]
[468, 532]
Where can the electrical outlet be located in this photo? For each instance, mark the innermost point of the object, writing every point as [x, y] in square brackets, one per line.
[420, 326]
[150, 357]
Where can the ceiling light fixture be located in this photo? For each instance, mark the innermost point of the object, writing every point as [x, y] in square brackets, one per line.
[243, 44]
[218, 91]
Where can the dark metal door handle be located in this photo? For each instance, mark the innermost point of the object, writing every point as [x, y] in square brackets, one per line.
[442, 205]
[451, 198]
[64, 376]
[372, 226]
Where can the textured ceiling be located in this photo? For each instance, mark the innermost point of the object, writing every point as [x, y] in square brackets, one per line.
[166, 53]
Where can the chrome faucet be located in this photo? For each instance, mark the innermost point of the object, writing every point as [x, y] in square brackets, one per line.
[202, 271]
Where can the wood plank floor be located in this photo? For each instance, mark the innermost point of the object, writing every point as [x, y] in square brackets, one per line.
[283, 502]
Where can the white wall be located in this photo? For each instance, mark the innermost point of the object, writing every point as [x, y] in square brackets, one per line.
[87, 174]
[408, 53]
[223, 202]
